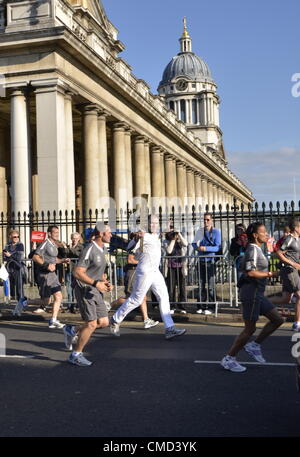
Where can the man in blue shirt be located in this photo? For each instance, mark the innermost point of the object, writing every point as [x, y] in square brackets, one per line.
[210, 244]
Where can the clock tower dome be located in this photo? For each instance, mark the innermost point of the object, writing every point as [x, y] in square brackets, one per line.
[190, 91]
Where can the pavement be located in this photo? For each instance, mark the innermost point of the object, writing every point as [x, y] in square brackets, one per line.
[142, 385]
[225, 315]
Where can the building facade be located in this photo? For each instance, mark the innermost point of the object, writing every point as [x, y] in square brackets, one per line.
[79, 131]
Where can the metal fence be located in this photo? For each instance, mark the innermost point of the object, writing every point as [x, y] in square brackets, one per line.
[188, 220]
[189, 223]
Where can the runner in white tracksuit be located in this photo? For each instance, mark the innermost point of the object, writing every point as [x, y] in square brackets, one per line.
[148, 276]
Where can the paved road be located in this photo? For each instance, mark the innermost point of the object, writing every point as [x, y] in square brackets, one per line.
[144, 386]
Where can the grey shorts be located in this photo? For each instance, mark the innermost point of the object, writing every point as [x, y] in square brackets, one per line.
[91, 303]
[290, 279]
[48, 284]
[129, 280]
[254, 303]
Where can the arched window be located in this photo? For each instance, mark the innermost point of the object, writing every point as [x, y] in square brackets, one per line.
[182, 111]
[172, 105]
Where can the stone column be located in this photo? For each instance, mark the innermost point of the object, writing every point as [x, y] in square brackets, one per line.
[3, 184]
[155, 176]
[120, 192]
[69, 155]
[170, 181]
[139, 166]
[163, 175]
[215, 196]
[198, 191]
[181, 183]
[91, 162]
[20, 153]
[147, 169]
[128, 166]
[190, 180]
[102, 161]
[51, 148]
[210, 196]
[204, 192]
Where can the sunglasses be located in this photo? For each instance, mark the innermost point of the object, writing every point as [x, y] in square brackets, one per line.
[15, 236]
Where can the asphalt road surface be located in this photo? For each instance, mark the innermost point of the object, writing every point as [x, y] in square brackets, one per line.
[142, 385]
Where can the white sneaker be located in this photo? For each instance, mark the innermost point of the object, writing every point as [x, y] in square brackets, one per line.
[69, 334]
[182, 311]
[207, 312]
[39, 311]
[148, 323]
[230, 363]
[254, 350]
[79, 360]
[55, 324]
[199, 311]
[114, 328]
[171, 332]
[172, 311]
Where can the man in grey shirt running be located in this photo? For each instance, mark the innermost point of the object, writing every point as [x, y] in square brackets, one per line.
[90, 284]
[46, 259]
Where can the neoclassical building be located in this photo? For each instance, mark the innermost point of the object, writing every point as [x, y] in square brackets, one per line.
[79, 130]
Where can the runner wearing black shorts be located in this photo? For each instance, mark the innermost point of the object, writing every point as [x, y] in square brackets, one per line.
[289, 254]
[255, 268]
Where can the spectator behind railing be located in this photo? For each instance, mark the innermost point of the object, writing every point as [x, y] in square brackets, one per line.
[73, 252]
[175, 247]
[211, 244]
[238, 246]
[13, 254]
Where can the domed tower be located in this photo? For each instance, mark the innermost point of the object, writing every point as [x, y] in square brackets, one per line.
[190, 91]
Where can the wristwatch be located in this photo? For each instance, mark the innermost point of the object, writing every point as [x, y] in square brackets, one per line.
[270, 274]
[95, 283]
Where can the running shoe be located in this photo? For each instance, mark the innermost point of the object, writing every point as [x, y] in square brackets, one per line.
[148, 323]
[182, 311]
[114, 328]
[230, 363]
[69, 334]
[296, 327]
[199, 311]
[207, 312]
[172, 332]
[55, 324]
[172, 311]
[79, 360]
[254, 350]
[40, 311]
[17, 311]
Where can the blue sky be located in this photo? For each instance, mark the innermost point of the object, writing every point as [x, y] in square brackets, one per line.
[252, 49]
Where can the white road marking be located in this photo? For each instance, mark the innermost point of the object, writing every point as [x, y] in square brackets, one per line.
[270, 364]
[18, 356]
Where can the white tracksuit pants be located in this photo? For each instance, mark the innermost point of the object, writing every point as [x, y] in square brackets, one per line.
[144, 281]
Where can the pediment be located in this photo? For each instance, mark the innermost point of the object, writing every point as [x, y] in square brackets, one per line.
[95, 7]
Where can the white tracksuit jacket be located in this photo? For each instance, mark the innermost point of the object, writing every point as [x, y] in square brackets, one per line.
[148, 276]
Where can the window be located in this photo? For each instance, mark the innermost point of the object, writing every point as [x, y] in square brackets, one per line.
[194, 111]
[182, 111]
[172, 105]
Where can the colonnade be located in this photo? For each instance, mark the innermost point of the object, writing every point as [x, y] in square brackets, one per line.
[137, 165]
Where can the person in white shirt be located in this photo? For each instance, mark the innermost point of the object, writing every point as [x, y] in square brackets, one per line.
[148, 276]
